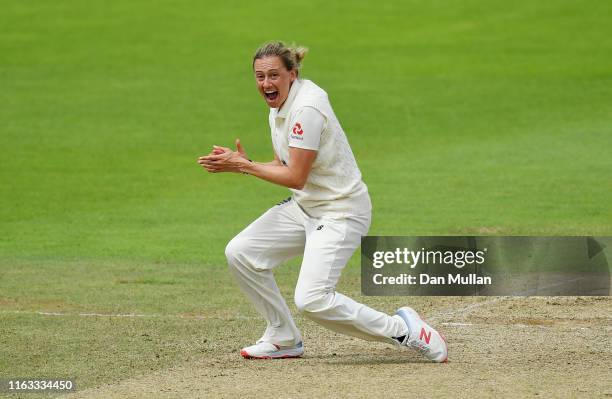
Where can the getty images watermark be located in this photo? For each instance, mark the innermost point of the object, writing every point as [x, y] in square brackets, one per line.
[411, 258]
[485, 265]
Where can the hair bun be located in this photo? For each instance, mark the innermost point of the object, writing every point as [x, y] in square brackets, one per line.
[299, 53]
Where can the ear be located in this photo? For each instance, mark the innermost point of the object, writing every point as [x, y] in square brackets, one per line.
[293, 75]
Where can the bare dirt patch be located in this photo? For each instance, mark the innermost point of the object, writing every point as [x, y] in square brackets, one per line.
[544, 347]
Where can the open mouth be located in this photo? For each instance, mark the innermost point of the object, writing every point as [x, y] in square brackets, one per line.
[271, 95]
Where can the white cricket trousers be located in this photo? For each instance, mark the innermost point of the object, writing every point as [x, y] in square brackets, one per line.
[285, 231]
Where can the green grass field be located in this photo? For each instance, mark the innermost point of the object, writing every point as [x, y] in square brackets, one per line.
[466, 117]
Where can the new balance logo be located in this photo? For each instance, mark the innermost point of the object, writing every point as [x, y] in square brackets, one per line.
[284, 201]
[320, 227]
[424, 335]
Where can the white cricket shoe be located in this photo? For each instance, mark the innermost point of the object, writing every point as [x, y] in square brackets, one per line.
[422, 336]
[266, 350]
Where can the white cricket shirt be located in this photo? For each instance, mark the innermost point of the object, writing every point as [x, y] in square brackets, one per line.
[306, 120]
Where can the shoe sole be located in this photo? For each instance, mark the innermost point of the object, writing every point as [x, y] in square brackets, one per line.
[246, 355]
[287, 353]
[445, 344]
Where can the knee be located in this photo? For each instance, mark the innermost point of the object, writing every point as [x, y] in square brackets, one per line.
[312, 303]
[234, 250]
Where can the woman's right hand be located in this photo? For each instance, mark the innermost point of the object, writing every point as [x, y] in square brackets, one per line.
[220, 150]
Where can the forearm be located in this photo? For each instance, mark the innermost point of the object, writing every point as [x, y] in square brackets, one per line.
[274, 172]
[292, 176]
[275, 162]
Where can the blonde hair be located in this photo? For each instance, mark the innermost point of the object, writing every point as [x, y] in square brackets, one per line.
[291, 56]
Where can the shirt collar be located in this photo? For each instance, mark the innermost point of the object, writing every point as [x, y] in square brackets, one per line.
[284, 109]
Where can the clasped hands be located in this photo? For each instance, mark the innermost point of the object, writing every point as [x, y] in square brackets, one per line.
[223, 159]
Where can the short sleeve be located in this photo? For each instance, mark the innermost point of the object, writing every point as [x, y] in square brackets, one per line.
[306, 128]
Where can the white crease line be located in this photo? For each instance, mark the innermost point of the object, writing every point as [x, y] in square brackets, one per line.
[523, 294]
[534, 290]
[444, 314]
[523, 325]
[91, 314]
[113, 315]
[127, 315]
[463, 311]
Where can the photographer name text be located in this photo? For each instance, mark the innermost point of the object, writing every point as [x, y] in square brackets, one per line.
[426, 279]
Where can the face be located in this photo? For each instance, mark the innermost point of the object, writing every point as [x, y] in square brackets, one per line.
[273, 80]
